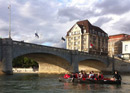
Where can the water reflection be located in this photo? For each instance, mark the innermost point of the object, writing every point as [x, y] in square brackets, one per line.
[90, 86]
[35, 83]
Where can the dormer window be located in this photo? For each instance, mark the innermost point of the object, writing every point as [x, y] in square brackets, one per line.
[70, 34]
[84, 30]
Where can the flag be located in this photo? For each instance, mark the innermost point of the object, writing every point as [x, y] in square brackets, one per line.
[63, 39]
[91, 45]
[9, 6]
[36, 35]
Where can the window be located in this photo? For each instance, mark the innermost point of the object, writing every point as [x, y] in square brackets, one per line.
[75, 48]
[126, 47]
[75, 38]
[69, 44]
[75, 43]
[99, 33]
[84, 30]
[94, 39]
[93, 31]
[102, 34]
[69, 34]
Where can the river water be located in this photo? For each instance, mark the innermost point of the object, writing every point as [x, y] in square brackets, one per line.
[41, 83]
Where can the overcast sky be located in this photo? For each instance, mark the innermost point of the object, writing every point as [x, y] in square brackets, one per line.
[51, 19]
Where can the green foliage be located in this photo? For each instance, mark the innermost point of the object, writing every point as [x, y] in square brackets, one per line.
[24, 62]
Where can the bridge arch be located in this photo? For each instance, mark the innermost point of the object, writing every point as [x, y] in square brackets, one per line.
[50, 63]
[91, 64]
[25, 48]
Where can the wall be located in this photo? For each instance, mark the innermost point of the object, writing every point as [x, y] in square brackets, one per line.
[75, 42]
[122, 66]
[128, 47]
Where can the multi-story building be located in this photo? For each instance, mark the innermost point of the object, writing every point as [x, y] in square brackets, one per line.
[84, 36]
[115, 44]
[126, 48]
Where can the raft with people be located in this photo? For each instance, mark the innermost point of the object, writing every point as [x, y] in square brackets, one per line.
[91, 78]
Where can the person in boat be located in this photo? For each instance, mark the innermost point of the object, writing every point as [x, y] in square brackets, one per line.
[74, 76]
[66, 76]
[100, 76]
[91, 75]
[117, 76]
[84, 75]
[81, 74]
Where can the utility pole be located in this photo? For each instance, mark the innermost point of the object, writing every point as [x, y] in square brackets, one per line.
[9, 7]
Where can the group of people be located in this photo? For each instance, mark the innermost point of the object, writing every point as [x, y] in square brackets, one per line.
[83, 75]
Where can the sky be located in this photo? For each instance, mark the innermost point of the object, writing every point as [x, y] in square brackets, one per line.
[51, 19]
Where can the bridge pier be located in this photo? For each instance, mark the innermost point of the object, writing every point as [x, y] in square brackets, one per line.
[74, 61]
[6, 56]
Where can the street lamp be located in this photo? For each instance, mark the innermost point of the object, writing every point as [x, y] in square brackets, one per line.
[9, 7]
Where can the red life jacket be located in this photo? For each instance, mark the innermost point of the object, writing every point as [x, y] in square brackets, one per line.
[66, 76]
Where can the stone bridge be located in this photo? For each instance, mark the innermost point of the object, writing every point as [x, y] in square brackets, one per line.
[61, 60]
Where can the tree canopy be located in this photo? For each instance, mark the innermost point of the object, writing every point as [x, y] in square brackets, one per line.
[24, 62]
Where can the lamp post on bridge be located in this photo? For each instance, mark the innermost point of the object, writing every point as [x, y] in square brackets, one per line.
[9, 7]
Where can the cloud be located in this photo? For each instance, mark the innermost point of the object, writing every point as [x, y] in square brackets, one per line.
[123, 25]
[113, 6]
[102, 20]
[52, 19]
[75, 13]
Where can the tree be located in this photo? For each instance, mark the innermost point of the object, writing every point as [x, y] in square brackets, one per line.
[24, 62]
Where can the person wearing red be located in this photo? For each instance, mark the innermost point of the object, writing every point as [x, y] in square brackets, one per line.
[100, 76]
[66, 76]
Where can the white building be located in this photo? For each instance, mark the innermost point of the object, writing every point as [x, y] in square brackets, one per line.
[84, 36]
[126, 48]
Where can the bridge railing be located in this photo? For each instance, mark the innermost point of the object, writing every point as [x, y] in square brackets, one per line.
[56, 49]
[40, 46]
[93, 55]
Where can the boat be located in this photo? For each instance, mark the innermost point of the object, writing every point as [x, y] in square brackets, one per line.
[89, 81]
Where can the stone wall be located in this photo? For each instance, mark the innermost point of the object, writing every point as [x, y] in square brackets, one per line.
[122, 66]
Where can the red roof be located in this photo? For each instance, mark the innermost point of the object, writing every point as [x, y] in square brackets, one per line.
[117, 36]
[127, 38]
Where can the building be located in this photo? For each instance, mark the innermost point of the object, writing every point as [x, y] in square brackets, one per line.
[84, 36]
[115, 44]
[126, 48]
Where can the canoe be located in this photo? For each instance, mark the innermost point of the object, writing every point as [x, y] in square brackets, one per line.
[89, 81]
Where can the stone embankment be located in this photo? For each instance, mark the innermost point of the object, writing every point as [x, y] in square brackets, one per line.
[25, 70]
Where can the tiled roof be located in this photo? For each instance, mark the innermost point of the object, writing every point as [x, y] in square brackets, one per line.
[85, 24]
[127, 38]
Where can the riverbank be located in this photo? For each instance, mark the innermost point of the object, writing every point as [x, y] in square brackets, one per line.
[24, 70]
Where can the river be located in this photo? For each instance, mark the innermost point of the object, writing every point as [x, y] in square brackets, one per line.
[41, 83]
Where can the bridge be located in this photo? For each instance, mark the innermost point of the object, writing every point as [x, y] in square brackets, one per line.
[61, 60]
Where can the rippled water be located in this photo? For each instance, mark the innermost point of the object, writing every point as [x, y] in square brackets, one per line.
[34, 83]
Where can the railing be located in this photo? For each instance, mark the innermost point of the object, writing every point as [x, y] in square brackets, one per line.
[40, 46]
[56, 49]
